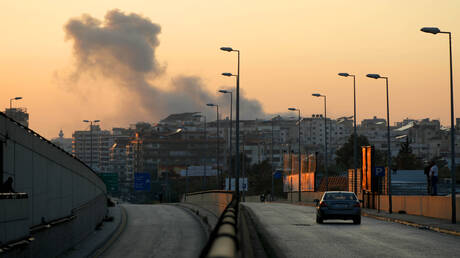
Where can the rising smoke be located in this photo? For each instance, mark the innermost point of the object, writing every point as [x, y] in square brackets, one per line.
[122, 49]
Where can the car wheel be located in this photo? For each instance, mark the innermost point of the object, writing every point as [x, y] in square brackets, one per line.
[357, 220]
[319, 220]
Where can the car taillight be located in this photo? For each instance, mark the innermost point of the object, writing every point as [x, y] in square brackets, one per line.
[322, 204]
[357, 205]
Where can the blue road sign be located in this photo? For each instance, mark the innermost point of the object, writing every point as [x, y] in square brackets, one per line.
[141, 181]
[278, 175]
[379, 171]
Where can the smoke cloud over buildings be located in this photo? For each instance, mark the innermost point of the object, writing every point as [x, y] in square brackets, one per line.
[122, 49]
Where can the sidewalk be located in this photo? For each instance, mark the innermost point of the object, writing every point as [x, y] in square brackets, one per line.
[438, 225]
[100, 239]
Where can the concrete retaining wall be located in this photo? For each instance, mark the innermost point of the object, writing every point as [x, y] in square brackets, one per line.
[58, 185]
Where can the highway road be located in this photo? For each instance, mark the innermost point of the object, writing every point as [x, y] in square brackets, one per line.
[158, 231]
[292, 231]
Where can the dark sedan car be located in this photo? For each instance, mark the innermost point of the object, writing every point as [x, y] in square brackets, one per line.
[338, 205]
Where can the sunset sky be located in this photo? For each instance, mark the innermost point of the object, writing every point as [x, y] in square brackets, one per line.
[289, 50]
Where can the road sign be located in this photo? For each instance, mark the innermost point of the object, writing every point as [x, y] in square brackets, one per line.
[142, 181]
[243, 184]
[379, 171]
[278, 175]
[110, 181]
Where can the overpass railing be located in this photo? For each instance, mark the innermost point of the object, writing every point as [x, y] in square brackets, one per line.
[223, 241]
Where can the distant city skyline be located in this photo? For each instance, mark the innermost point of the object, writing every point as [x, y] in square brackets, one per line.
[288, 52]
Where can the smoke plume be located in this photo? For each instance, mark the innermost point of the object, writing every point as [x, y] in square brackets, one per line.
[122, 48]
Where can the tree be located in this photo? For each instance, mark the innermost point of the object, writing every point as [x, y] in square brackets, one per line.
[406, 159]
[259, 178]
[345, 158]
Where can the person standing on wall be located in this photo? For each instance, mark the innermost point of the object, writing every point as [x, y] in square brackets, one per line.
[434, 178]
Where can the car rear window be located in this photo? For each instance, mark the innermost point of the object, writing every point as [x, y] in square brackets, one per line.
[339, 196]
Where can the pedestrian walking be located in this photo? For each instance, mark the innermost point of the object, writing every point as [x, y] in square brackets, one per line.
[434, 178]
[428, 177]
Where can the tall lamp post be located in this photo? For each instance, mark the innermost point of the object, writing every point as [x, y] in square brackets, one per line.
[232, 174]
[11, 101]
[206, 152]
[355, 135]
[271, 163]
[452, 128]
[237, 151]
[300, 156]
[217, 139]
[376, 76]
[91, 140]
[325, 138]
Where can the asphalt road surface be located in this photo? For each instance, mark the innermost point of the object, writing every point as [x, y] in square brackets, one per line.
[158, 231]
[292, 230]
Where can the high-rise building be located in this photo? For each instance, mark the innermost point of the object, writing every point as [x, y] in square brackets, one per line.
[93, 147]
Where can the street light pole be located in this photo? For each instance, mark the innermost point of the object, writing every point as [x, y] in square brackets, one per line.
[355, 135]
[300, 156]
[218, 145]
[376, 76]
[231, 126]
[452, 124]
[237, 161]
[91, 140]
[203, 180]
[273, 170]
[325, 139]
[11, 101]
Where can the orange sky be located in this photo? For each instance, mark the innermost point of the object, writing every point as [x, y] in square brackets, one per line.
[289, 50]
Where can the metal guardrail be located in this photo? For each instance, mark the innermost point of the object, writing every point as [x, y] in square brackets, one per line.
[223, 241]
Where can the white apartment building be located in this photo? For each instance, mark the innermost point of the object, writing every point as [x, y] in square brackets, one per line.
[92, 146]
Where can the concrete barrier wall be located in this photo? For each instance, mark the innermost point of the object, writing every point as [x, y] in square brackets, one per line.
[57, 183]
[306, 196]
[428, 206]
[14, 218]
[214, 201]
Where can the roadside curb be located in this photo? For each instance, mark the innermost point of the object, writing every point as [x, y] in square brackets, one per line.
[207, 228]
[111, 238]
[271, 249]
[412, 224]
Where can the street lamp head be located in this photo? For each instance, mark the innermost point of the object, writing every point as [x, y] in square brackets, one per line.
[228, 49]
[210, 105]
[316, 95]
[86, 121]
[373, 75]
[292, 109]
[432, 30]
[227, 74]
[18, 98]
[344, 74]
[96, 121]
[224, 91]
